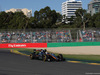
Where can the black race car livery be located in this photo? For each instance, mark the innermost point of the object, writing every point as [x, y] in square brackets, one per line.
[45, 56]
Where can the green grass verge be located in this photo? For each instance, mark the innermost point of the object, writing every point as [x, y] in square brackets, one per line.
[88, 58]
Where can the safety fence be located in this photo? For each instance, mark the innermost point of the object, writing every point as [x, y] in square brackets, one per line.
[49, 36]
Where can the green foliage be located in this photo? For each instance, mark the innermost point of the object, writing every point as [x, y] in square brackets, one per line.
[83, 57]
[82, 20]
[96, 18]
[47, 18]
[3, 20]
[80, 12]
[11, 20]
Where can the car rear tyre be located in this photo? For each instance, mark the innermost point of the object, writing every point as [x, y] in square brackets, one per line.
[60, 56]
[32, 56]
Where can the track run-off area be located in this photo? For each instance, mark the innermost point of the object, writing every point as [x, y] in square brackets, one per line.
[15, 64]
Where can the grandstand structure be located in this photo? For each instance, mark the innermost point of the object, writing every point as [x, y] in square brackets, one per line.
[47, 36]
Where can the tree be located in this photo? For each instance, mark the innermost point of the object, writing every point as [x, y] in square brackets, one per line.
[82, 17]
[3, 20]
[18, 21]
[71, 20]
[59, 18]
[32, 22]
[96, 19]
[86, 20]
[45, 17]
[90, 24]
[64, 19]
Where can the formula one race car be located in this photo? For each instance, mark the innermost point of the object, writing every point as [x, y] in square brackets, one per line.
[45, 56]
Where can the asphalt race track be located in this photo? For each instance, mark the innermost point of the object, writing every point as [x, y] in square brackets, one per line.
[13, 64]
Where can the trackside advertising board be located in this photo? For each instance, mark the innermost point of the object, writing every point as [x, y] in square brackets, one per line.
[24, 45]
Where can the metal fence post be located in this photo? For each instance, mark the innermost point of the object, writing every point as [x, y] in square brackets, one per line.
[92, 36]
[31, 36]
[77, 37]
[70, 35]
[46, 37]
[80, 35]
